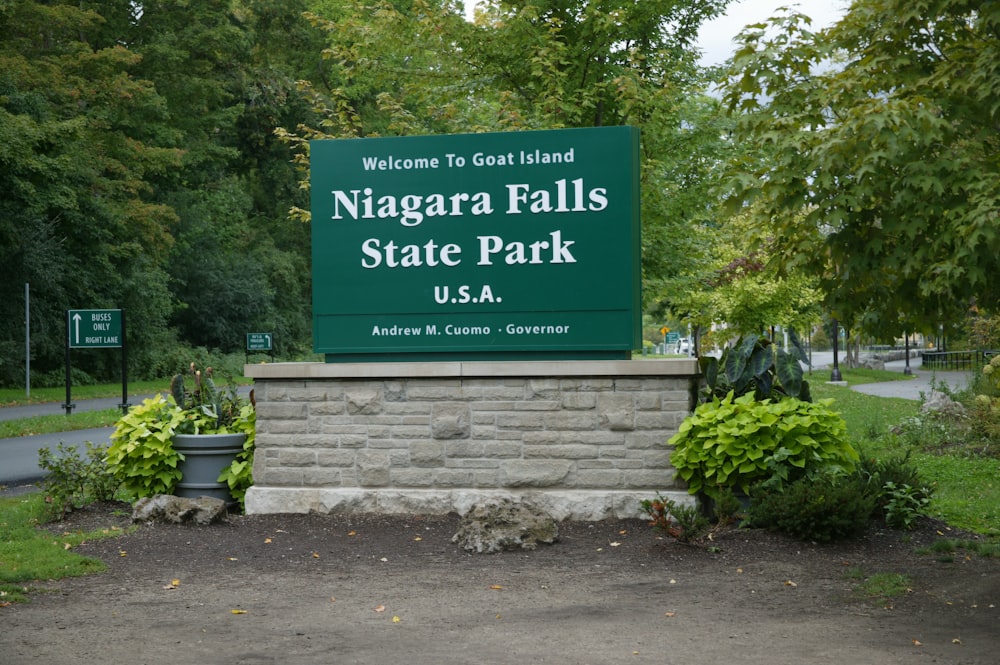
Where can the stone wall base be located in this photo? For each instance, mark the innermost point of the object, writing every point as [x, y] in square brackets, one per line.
[581, 505]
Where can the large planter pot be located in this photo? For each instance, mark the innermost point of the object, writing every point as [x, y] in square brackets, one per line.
[205, 456]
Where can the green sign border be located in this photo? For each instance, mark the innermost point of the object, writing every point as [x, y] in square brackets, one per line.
[516, 245]
[114, 322]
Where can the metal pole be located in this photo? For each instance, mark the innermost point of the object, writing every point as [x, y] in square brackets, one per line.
[835, 375]
[27, 341]
[69, 401]
[906, 345]
[124, 405]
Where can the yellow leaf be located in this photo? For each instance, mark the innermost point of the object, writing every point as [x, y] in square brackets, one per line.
[175, 582]
[315, 555]
[352, 533]
[232, 558]
[238, 611]
[267, 540]
[623, 532]
[418, 539]
[956, 641]
[739, 571]
[396, 619]
[122, 553]
[67, 546]
[496, 587]
[333, 599]
[790, 583]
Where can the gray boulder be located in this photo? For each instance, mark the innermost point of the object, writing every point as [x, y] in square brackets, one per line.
[938, 402]
[504, 524]
[180, 510]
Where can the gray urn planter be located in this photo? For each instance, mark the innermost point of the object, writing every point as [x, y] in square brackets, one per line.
[205, 457]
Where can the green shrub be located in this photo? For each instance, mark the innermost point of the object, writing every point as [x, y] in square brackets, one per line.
[736, 442]
[821, 507]
[74, 481]
[685, 523]
[903, 504]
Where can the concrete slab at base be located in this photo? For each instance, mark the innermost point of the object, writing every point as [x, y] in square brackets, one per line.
[577, 505]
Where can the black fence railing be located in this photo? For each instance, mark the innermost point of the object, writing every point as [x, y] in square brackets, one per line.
[956, 360]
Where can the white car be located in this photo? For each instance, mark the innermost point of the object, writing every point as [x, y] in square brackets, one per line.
[684, 345]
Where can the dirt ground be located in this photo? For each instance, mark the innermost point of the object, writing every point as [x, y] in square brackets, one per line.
[304, 589]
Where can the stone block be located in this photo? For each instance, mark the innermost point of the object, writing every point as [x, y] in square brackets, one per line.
[363, 401]
[451, 421]
[536, 473]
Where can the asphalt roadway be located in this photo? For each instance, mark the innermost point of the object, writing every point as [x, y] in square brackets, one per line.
[19, 455]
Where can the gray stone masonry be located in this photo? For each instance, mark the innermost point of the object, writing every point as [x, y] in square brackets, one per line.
[587, 439]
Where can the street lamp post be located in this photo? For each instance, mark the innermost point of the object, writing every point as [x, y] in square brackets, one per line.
[835, 375]
[906, 345]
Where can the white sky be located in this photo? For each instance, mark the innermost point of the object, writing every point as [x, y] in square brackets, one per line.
[716, 38]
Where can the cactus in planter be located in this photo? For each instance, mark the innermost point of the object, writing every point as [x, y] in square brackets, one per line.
[208, 407]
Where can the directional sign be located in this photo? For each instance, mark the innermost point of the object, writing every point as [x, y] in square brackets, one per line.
[95, 328]
[673, 337]
[259, 342]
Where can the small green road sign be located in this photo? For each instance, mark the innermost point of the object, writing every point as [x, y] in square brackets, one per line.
[259, 341]
[95, 328]
[673, 337]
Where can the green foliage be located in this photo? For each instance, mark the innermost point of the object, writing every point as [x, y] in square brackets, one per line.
[206, 409]
[683, 522]
[853, 167]
[142, 453]
[903, 504]
[821, 507]
[751, 366]
[73, 481]
[735, 442]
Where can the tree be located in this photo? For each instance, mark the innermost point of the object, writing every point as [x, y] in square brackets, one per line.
[881, 174]
[77, 219]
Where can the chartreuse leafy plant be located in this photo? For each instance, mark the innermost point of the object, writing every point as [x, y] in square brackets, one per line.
[142, 451]
[735, 442]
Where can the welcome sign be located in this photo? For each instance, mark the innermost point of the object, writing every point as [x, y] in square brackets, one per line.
[514, 245]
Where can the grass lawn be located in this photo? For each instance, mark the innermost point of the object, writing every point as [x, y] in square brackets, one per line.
[28, 553]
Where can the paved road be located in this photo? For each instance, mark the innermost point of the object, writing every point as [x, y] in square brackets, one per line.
[19, 456]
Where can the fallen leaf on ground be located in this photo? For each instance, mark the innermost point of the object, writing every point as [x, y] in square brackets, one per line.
[670, 614]
[790, 583]
[956, 641]
[917, 643]
[496, 587]
[238, 611]
[352, 533]
[380, 608]
[267, 540]
[383, 559]
[396, 619]
[614, 544]
[418, 538]
[315, 555]
[122, 553]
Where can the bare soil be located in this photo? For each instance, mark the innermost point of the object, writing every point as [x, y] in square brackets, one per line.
[303, 589]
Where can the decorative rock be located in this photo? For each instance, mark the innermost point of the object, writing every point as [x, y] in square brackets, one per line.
[872, 363]
[179, 510]
[503, 524]
[938, 402]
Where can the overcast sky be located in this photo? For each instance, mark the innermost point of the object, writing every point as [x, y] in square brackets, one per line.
[716, 39]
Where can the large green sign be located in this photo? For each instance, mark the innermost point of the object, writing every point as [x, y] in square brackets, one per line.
[508, 245]
[94, 328]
